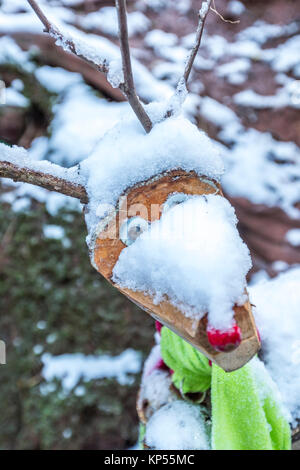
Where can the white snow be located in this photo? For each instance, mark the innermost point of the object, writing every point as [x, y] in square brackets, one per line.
[12, 97]
[13, 6]
[261, 31]
[193, 256]
[151, 361]
[57, 79]
[10, 52]
[217, 112]
[252, 171]
[280, 266]
[157, 390]
[277, 316]
[71, 367]
[135, 156]
[103, 52]
[53, 231]
[157, 38]
[286, 55]
[236, 8]
[81, 117]
[177, 426]
[23, 22]
[106, 20]
[284, 97]
[235, 71]
[293, 236]
[251, 164]
[19, 156]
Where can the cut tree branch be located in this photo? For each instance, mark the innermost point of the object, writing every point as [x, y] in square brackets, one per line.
[40, 177]
[127, 87]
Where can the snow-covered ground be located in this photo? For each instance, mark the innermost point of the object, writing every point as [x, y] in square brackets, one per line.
[70, 368]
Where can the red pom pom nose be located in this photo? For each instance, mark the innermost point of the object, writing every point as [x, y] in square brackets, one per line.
[224, 340]
[158, 326]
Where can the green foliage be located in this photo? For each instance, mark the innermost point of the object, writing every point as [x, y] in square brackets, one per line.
[192, 372]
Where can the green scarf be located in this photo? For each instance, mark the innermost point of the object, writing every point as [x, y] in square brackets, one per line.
[246, 412]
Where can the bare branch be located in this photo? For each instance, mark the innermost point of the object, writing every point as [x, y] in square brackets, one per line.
[52, 182]
[54, 31]
[203, 12]
[181, 90]
[128, 85]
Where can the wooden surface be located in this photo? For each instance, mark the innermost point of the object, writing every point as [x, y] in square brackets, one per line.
[108, 247]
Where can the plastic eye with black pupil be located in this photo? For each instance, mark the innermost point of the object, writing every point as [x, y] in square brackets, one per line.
[174, 200]
[132, 228]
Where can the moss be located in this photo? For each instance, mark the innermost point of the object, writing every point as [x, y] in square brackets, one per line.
[40, 279]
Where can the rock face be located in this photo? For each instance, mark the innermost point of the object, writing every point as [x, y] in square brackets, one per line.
[245, 96]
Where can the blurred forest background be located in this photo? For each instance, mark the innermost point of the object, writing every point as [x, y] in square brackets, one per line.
[75, 346]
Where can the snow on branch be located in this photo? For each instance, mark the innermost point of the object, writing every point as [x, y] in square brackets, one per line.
[102, 64]
[66, 42]
[203, 12]
[15, 164]
[181, 89]
[128, 86]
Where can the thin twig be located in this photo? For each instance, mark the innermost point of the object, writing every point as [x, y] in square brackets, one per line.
[181, 90]
[214, 9]
[128, 85]
[203, 12]
[51, 182]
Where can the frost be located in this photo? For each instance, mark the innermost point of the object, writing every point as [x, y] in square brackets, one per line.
[193, 256]
[177, 426]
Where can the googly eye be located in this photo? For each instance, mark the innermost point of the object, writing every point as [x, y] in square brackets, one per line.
[174, 200]
[132, 228]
